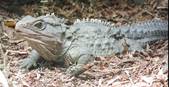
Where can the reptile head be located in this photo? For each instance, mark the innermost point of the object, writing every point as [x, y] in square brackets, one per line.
[44, 34]
[49, 25]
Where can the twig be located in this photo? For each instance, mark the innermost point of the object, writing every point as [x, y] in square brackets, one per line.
[129, 77]
[16, 52]
[5, 61]
[16, 41]
[162, 7]
[1, 28]
[148, 12]
[131, 60]
[3, 56]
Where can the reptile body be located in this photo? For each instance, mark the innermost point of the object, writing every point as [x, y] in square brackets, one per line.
[78, 44]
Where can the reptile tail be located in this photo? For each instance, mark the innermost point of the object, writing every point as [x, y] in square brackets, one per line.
[146, 31]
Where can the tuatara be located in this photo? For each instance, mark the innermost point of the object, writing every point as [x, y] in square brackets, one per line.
[80, 43]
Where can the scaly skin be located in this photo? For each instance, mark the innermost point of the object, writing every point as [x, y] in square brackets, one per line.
[78, 44]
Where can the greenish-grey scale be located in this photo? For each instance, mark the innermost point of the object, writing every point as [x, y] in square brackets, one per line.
[96, 40]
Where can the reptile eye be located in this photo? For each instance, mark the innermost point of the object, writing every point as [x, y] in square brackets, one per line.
[69, 37]
[40, 25]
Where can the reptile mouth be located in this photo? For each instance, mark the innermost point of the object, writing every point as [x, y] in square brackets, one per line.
[18, 31]
[35, 40]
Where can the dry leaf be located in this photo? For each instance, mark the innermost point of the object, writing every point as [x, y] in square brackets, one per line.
[10, 23]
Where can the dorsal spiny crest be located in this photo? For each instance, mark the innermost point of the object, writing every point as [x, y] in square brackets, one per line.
[92, 20]
[106, 23]
[54, 20]
[77, 21]
[87, 19]
[47, 14]
[99, 21]
[96, 21]
[53, 14]
[83, 19]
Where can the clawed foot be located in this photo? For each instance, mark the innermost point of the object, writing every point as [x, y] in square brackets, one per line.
[27, 63]
[75, 70]
[30, 61]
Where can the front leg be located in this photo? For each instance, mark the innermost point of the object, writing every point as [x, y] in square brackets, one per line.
[79, 67]
[30, 61]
